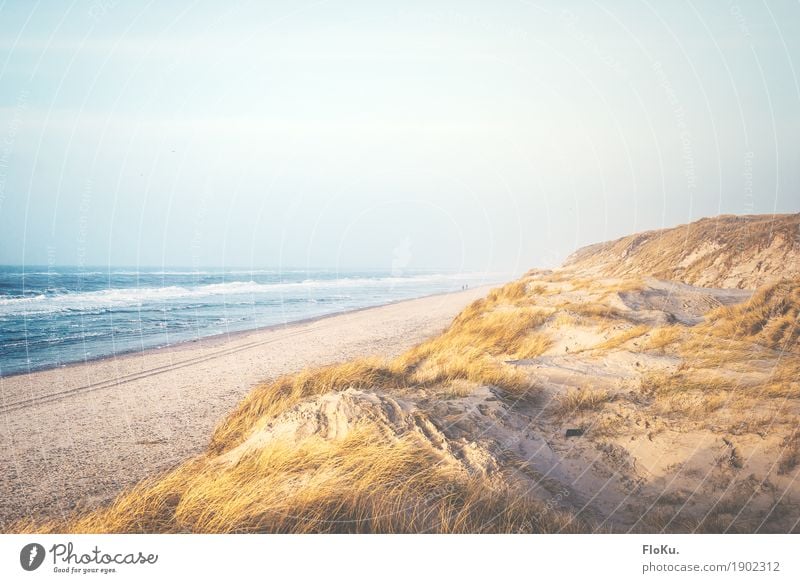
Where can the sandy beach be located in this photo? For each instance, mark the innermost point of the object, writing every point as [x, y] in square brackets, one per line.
[74, 437]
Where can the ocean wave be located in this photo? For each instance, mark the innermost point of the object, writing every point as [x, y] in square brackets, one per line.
[121, 298]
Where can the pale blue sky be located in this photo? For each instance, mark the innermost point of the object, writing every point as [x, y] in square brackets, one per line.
[485, 135]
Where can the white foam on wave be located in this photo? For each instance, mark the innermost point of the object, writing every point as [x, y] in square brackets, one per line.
[110, 299]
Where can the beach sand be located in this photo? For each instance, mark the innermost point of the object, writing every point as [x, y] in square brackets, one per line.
[74, 437]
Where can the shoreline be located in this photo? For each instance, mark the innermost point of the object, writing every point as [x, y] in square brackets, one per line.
[222, 337]
[73, 437]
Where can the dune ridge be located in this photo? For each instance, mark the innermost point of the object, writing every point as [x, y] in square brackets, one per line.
[730, 251]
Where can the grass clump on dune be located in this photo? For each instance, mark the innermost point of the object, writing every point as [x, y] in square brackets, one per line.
[661, 338]
[477, 343]
[579, 401]
[690, 395]
[770, 318]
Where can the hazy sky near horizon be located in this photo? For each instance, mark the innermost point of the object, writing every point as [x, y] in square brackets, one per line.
[465, 135]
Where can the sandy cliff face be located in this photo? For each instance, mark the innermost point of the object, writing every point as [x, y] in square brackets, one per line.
[727, 251]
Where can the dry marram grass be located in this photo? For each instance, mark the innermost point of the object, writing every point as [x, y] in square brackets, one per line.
[366, 482]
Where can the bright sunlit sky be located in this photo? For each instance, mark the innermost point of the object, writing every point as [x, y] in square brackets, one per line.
[465, 135]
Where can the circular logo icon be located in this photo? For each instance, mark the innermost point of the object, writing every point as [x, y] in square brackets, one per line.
[31, 556]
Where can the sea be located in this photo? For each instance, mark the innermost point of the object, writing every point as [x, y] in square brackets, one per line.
[52, 316]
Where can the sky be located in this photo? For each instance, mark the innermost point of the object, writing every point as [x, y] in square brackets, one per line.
[468, 135]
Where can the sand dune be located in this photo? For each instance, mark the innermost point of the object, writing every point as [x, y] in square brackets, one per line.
[567, 401]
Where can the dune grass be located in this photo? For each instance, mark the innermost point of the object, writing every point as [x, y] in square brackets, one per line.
[593, 312]
[764, 329]
[479, 341]
[686, 395]
[365, 483]
[459, 388]
[563, 319]
[510, 293]
[783, 380]
[770, 318]
[663, 337]
[622, 338]
[472, 349]
[579, 401]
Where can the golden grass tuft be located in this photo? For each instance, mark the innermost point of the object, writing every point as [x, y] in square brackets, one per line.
[622, 338]
[684, 394]
[623, 286]
[784, 380]
[579, 401]
[509, 293]
[703, 350]
[581, 283]
[440, 366]
[475, 346]
[660, 338]
[539, 289]
[459, 388]
[607, 426]
[563, 319]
